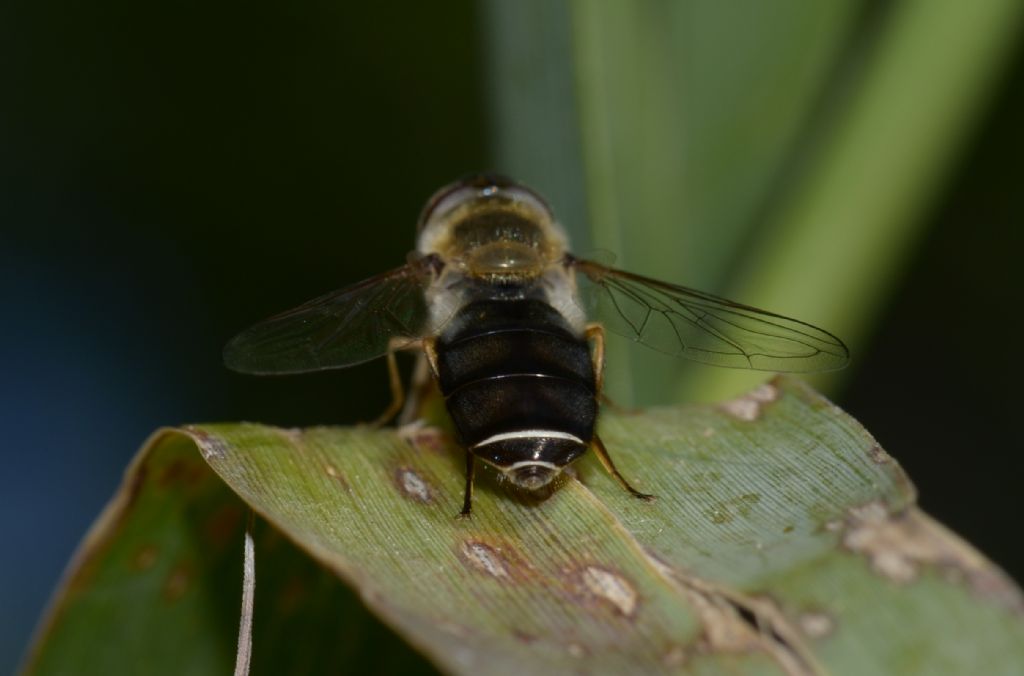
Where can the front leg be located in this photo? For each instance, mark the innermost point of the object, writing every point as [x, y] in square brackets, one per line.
[394, 380]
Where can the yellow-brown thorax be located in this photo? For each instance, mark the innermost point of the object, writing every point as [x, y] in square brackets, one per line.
[492, 231]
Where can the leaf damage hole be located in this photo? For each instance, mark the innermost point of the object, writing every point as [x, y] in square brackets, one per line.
[413, 486]
[898, 545]
[748, 407]
[758, 624]
[737, 624]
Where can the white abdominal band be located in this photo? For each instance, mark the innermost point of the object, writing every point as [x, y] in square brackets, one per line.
[529, 434]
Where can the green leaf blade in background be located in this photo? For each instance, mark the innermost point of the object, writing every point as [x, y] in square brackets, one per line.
[784, 539]
[686, 112]
[837, 240]
[781, 154]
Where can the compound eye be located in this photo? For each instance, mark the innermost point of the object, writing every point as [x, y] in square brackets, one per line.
[486, 184]
[475, 187]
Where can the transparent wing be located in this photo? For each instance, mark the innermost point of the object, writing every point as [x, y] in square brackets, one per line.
[702, 327]
[343, 328]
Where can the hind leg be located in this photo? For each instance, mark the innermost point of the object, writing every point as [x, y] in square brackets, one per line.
[606, 460]
[595, 334]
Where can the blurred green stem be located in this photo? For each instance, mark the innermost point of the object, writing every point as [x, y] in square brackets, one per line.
[836, 248]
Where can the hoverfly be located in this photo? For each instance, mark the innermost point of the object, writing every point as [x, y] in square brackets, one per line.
[495, 302]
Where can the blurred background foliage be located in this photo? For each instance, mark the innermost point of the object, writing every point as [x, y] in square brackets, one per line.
[173, 172]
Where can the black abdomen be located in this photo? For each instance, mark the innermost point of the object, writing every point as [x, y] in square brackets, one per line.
[513, 369]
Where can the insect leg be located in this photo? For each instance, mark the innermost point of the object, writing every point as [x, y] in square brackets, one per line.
[595, 334]
[431, 352]
[467, 501]
[421, 384]
[606, 460]
[395, 381]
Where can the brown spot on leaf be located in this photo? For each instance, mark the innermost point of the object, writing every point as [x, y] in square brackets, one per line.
[605, 587]
[422, 437]
[725, 511]
[500, 561]
[292, 596]
[748, 407]
[145, 557]
[223, 524]
[577, 650]
[725, 629]
[898, 545]
[210, 446]
[485, 559]
[523, 637]
[878, 455]
[413, 486]
[181, 471]
[674, 657]
[871, 533]
[717, 515]
[333, 472]
[736, 623]
[177, 583]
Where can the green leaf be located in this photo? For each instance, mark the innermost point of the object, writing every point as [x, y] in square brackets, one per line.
[155, 587]
[784, 539]
[780, 153]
